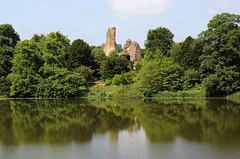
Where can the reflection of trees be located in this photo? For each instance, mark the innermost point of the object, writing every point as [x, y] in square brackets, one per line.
[63, 121]
[216, 121]
[55, 121]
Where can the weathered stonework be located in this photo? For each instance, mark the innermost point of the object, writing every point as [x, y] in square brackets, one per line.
[111, 42]
[132, 48]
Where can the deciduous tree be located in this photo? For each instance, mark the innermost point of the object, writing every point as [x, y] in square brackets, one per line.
[160, 38]
[8, 40]
[80, 54]
[112, 66]
[220, 66]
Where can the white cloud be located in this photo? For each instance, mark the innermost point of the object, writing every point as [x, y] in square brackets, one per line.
[140, 6]
[45, 7]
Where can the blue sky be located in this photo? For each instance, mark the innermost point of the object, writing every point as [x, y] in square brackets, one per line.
[89, 19]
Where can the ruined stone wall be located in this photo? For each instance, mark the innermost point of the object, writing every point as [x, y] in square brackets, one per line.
[110, 42]
[132, 48]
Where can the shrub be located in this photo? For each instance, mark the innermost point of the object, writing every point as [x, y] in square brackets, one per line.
[113, 53]
[116, 80]
[108, 82]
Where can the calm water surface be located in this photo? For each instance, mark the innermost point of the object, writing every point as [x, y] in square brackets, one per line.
[81, 129]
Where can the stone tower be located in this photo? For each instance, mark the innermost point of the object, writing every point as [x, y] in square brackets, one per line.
[111, 42]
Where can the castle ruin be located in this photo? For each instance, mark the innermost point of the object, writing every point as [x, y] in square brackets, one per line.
[111, 42]
[131, 49]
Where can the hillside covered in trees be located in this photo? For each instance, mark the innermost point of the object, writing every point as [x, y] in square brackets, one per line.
[51, 66]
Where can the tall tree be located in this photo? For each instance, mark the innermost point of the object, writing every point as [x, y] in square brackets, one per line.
[24, 75]
[8, 40]
[220, 66]
[7, 31]
[186, 54]
[160, 38]
[80, 55]
[54, 49]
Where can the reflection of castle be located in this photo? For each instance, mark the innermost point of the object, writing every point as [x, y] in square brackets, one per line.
[135, 127]
[113, 136]
[131, 49]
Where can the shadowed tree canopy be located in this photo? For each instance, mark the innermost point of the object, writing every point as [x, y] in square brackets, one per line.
[220, 66]
[8, 33]
[188, 55]
[80, 54]
[112, 66]
[8, 41]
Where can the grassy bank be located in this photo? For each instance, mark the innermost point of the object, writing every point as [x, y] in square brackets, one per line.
[234, 96]
[181, 94]
[102, 92]
[130, 92]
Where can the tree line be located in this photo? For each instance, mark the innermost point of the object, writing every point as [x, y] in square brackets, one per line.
[51, 66]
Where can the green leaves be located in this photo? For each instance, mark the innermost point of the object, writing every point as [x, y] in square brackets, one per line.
[62, 84]
[113, 54]
[221, 55]
[8, 40]
[99, 55]
[39, 68]
[26, 63]
[158, 76]
[80, 54]
[55, 48]
[160, 38]
[8, 33]
[112, 66]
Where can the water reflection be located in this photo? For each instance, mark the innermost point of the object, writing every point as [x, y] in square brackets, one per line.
[61, 122]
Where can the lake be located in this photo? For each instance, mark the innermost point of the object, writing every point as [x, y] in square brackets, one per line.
[136, 129]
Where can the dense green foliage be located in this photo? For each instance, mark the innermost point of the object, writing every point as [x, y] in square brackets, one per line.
[80, 55]
[220, 64]
[87, 73]
[156, 55]
[5, 84]
[8, 41]
[99, 55]
[62, 83]
[155, 77]
[160, 38]
[112, 66]
[39, 68]
[49, 66]
[113, 54]
[8, 35]
[187, 56]
[25, 75]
